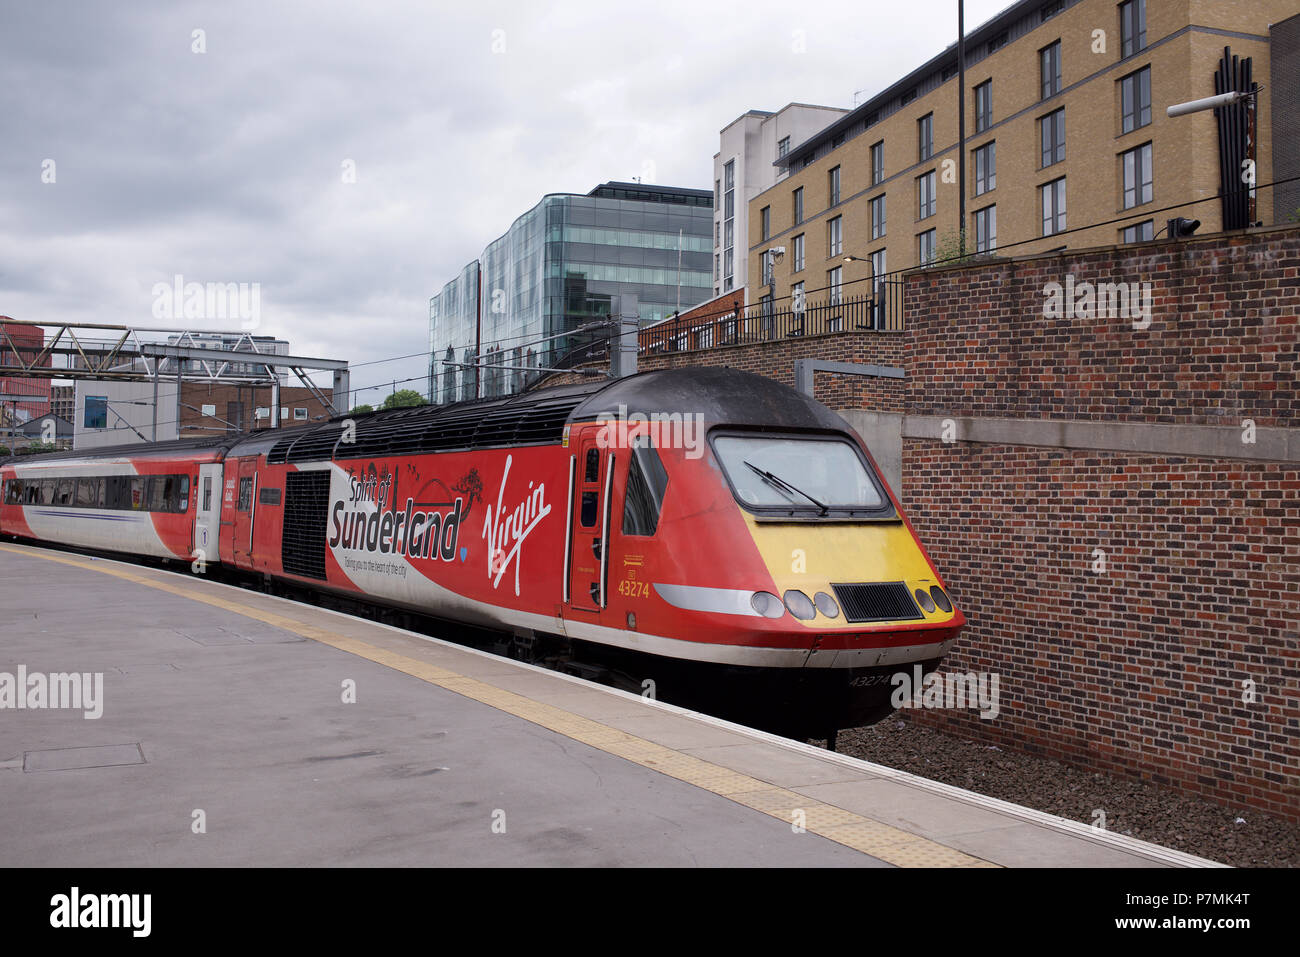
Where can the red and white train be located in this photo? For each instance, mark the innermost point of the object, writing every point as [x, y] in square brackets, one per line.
[729, 535]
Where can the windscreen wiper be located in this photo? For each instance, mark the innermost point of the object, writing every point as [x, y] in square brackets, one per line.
[782, 483]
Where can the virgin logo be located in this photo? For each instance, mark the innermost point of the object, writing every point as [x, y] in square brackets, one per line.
[505, 531]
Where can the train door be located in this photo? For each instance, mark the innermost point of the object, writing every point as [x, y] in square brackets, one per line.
[589, 530]
[207, 516]
[245, 512]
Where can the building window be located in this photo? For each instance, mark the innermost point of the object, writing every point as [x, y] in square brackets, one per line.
[925, 137]
[796, 264]
[1139, 232]
[798, 206]
[717, 194]
[1049, 66]
[729, 226]
[1054, 207]
[986, 168]
[1135, 170]
[1049, 10]
[1132, 27]
[983, 106]
[986, 229]
[96, 415]
[1135, 100]
[300, 415]
[877, 271]
[877, 163]
[998, 42]
[835, 236]
[835, 285]
[796, 297]
[907, 97]
[925, 247]
[878, 216]
[1052, 132]
[833, 186]
[765, 223]
[925, 195]
[782, 147]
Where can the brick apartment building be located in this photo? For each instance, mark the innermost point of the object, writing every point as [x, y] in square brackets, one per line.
[1065, 127]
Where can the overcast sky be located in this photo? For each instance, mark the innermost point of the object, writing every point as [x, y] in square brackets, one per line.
[228, 165]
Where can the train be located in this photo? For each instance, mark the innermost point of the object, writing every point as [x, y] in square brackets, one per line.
[723, 539]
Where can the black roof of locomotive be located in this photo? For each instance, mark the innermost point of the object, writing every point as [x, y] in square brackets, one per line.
[719, 395]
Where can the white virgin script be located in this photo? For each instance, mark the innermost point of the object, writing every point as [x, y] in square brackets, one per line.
[506, 531]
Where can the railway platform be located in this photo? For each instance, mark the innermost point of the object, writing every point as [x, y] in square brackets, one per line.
[215, 726]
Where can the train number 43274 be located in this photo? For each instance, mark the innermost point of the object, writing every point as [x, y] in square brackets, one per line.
[633, 589]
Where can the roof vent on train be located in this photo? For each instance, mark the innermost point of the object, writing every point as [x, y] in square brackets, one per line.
[507, 422]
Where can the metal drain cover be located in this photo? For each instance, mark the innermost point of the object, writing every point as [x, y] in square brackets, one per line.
[69, 759]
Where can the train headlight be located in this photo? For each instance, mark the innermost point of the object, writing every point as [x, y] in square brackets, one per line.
[826, 605]
[800, 605]
[767, 604]
[940, 598]
[924, 600]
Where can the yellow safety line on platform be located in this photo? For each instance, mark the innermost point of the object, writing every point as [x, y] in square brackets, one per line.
[882, 841]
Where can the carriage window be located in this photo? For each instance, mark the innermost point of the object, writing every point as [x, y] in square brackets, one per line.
[207, 494]
[90, 492]
[136, 486]
[63, 491]
[593, 465]
[32, 493]
[14, 492]
[182, 501]
[157, 497]
[646, 483]
[245, 494]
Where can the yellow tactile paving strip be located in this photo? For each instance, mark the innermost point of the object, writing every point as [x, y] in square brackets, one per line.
[881, 841]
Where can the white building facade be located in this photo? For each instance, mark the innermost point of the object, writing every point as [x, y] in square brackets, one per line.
[743, 167]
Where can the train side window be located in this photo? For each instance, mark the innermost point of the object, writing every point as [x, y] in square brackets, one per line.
[115, 492]
[156, 494]
[593, 466]
[139, 487]
[182, 493]
[589, 509]
[90, 492]
[245, 494]
[63, 492]
[647, 481]
[47, 491]
[14, 492]
[207, 494]
[32, 493]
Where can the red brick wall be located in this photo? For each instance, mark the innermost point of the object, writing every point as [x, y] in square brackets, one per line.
[1138, 669]
[1221, 345]
[776, 361]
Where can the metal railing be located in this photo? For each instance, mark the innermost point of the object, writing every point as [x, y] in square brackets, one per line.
[763, 322]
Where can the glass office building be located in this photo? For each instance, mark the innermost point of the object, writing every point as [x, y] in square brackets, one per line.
[559, 270]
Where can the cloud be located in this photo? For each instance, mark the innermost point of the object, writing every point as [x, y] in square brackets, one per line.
[227, 165]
